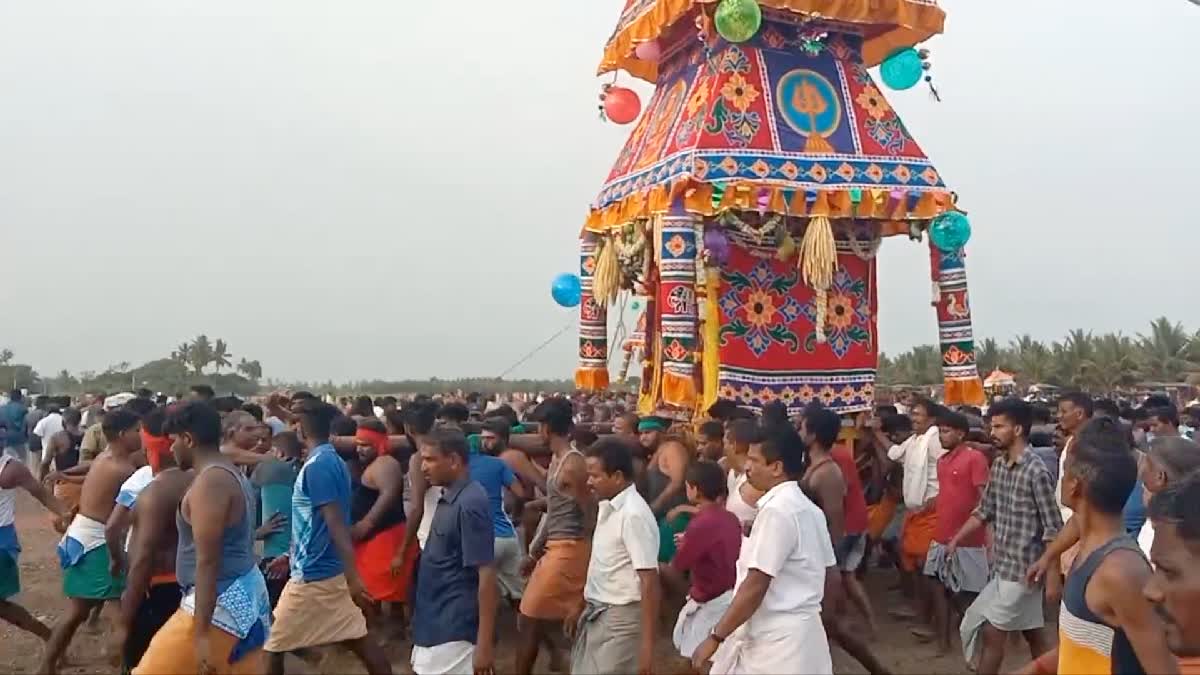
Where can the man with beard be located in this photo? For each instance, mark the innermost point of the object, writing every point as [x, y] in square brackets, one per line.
[83, 552]
[225, 613]
[1174, 588]
[1020, 506]
[1105, 624]
[152, 592]
[377, 511]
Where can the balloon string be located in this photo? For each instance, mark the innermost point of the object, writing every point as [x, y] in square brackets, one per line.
[620, 332]
[552, 338]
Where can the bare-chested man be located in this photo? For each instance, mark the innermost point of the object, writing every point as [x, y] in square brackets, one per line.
[15, 475]
[62, 450]
[83, 552]
[561, 549]
[152, 592]
[824, 482]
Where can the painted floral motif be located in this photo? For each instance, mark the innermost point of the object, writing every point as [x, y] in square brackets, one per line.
[873, 103]
[847, 315]
[760, 309]
[677, 245]
[738, 92]
[734, 60]
[731, 114]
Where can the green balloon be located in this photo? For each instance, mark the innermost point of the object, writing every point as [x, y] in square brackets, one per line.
[738, 20]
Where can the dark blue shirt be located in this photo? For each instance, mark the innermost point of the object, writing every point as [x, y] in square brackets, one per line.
[323, 479]
[460, 541]
[1134, 513]
[12, 419]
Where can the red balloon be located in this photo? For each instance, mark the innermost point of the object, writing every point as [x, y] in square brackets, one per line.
[622, 105]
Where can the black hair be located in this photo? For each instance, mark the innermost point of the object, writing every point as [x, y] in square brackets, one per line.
[302, 396]
[1103, 460]
[1157, 401]
[1016, 411]
[153, 421]
[498, 426]
[289, 443]
[1178, 455]
[882, 411]
[371, 424]
[774, 412]
[197, 418]
[712, 430]
[420, 416]
[388, 400]
[139, 406]
[954, 420]
[824, 424]
[896, 424]
[557, 414]
[343, 425]
[1166, 414]
[632, 418]
[117, 422]
[72, 416]
[204, 391]
[708, 479]
[255, 411]
[614, 455]
[781, 443]
[972, 410]
[227, 404]
[363, 407]
[1079, 400]
[1106, 406]
[745, 431]
[1041, 414]
[451, 441]
[144, 393]
[1041, 439]
[395, 420]
[16, 396]
[583, 438]
[931, 408]
[506, 411]
[1177, 505]
[316, 419]
[454, 412]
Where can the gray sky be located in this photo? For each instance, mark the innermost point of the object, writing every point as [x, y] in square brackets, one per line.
[385, 189]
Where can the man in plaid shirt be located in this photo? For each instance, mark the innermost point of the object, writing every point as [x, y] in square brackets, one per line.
[1020, 506]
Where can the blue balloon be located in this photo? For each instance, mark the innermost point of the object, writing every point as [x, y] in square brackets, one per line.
[902, 69]
[567, 289]
[950, 231]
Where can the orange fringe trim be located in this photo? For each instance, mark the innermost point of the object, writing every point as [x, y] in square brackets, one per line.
[679, 391]
[909, 23]
[964, 392]
[591, 379]
[834, 203]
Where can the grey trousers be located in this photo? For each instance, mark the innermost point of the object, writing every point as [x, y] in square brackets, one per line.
[608, 640]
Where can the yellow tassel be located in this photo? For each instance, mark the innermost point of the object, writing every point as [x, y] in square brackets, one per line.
[787, 247]
[816, 143]
[710, 364]
[818, 258]
[606, 284]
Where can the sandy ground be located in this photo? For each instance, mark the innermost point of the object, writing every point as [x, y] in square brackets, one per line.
[42, 595]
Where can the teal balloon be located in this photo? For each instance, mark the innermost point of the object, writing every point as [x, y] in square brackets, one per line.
[738, 20]
[950, 231]
[902, 69]
[567, 290]
[635, 305]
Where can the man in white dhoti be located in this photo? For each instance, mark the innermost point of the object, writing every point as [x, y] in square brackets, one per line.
[773, 624]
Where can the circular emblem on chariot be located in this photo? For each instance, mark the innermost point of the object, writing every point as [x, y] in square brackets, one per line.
[808, 102]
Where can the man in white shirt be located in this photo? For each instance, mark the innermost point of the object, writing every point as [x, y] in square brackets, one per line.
[614, 630]
[46, 427]
[773, 624]
[918, 456]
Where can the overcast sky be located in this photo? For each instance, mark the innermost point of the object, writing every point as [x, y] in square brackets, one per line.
[385, 189]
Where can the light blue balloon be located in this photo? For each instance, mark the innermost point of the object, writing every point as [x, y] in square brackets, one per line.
[950, 231]
[567, 290]
[902, 69]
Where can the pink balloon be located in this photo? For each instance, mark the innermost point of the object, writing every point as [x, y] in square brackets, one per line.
[648, 51]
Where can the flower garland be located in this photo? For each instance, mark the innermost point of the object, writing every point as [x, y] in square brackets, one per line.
[758, 233]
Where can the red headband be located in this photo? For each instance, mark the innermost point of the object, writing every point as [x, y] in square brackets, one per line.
[155, 447]
[375, 439]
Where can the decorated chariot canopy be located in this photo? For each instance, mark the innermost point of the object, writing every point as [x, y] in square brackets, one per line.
[750, 199]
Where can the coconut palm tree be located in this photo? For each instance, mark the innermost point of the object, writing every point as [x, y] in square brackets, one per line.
[1167, 352]
[221, 355]
[1033, 360]
[200, 354]
[251, 369]
[1074, 359]
[1115, 359]
[989, 356]
[182, 353]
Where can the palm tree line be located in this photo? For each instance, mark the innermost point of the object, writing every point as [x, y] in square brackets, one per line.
[1166, 353]
[201, 353]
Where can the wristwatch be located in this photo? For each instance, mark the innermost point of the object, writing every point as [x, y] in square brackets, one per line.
[715, 638]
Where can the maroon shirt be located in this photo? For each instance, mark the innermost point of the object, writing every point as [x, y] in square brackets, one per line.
[709, 551]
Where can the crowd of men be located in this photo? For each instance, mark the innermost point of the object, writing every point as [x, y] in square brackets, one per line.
[225, 535]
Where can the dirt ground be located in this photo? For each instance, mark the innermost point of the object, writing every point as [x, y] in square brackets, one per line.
[42, 595]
